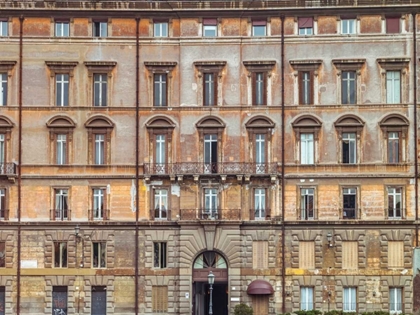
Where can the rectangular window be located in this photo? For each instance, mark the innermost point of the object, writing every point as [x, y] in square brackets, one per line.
[3, 28]
[159, 299]
[2, 254]
[350, 252]
[306, 298]
[393, 87]
[260, 158]
[100, 29]
[306, 148]
[62, 29]
[307, 255]
[305, 88]
[160, 29]
[260, 254]
[394, 147]
[210, 89]
[349, 148]
[210, 202]
[99, 149]
[210, 153]
[2, 300]
[259, 92]
[349, 203]
[348, 26]
[209, 27]
[307, 204]
[160, 154]
[99, 207]
[4, 212]
[160, 255]
[100, 85]
[395, 254]
[61, 149]
[306, 25]
[348, 87]
[393, 25]
[60, 254]
[99, 254]
[394, 202]
[59, 300]
[62, 90]
[161, 203]
[395, 300]
[61, 204]
[3, 89]
[160, 94]
[2, 151]
[259, 28]
[349, 299]
[259, 203]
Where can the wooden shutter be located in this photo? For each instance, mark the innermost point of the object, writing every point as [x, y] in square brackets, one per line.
[305, 22]
[307, 255]
[395, 254]
[260, 254]
[350, 255]
[260, 304]
[159, 299]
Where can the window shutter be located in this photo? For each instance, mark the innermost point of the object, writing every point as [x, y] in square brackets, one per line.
[393, 24]
[209, 21]
[307, 255]
[259, 23]
[350, 255]
[395, 254]
[159, 299]
[260, 254]
[260, 304]
[306, 22]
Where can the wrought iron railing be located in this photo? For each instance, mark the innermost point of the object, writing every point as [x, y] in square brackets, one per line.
[4, 214]
[160, 214]
[194, 168]
[99, 214]
[214, 214]
[260, 214]
[60, 214]
[8, 169]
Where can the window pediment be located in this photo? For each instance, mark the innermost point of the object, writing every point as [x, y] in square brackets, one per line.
[61, 122]
[215, 66]
[5, 122]
[210, 122]
[160, 123]
[349, 121]
[100, 66]
[6, 65]
[306, 64]
[159, 67]
[349, 64]
[260, 122]
[99, 122]
[61, 66]
[259, 65]
[394, 120]
[307, 122]
[393, 63]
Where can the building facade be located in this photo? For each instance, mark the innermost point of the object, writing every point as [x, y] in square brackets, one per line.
[144, 144]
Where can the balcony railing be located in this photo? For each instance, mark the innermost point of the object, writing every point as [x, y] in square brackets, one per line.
[194, 168]
[349, 213]
[161, 214]
[99, 214]
[214, 214]
[4, 214]
[260, 214]
[8, 169]
[60, 215]
[395, 213]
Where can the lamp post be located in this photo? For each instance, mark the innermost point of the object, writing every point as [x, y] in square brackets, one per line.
[210, 278]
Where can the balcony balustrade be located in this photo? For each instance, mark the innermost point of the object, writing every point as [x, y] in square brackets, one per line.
[161, 214]
[260, 214]
[8, 169]
[99, 214]
[60, 215]
[213, 214]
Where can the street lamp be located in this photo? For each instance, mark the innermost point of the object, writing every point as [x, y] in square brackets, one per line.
[210, 278]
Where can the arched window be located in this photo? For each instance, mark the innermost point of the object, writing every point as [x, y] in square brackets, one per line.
[210, 259]
[99, 140]
[61, 137]
[394, 129]
[307, 129]
[349, 129]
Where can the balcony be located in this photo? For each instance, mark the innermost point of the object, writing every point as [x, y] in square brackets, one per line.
[160, 214]
[214, 214]
[99, 214]
[4, 214]
[60, 215]
[259, 214]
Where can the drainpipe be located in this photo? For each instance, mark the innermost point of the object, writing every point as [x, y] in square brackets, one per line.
[283, 244]
[136, 272]
[416, 168]
[19, 167]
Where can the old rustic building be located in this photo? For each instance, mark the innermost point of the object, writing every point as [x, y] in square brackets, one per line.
[144, 144]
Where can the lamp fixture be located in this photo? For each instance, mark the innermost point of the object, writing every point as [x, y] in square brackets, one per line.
[329, 239]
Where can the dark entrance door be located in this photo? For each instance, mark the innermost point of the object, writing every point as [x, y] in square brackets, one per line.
[202, 298]
[98, 300]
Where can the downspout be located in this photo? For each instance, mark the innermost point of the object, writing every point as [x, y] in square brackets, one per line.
[19, 166]
[136, 268]
[283, 242]
[416, 168]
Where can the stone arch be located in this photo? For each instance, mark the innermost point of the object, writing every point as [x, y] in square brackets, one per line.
[307, 121]
[160, 122]
[61, 121]
[349, 120]
[99, 121]
[260, 122]
[210, 122]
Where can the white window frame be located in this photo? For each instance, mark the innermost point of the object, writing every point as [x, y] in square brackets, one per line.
[305, 192]
[393, 87]
[160, 89]
[160, 29]
[100, 80]
[4, 28]
[61, 149]
[161, 198]
[260, 199]
[101, 247]
[209, 139]
[211, 202]
[254, 28]
[100, 155]
[349, 299]
[306, 298]
[395, 299]
[212, 29]
[307, 148]
[62, 246]
[61, 204]
[306, 31]
[98, 203]
[348, 26]
[61, 29]
[3, 87]
[397, 193]
[347, 136]
[62, 85]
[100, 26]
[260, 153]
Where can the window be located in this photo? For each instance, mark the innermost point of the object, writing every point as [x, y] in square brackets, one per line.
[259, 88]
[306, 148]
[349, 299]
[3, 89]
[210, 89]
[2, 300]
[99, 204]
[61, 149]
[61, 205]
[350, 252]
[210, 153]
[260, 153]
[349, 203]
[161, 204]
[99, 149]
[210, 203]
[307, 255]
[260, 204]
[100, 29]
[306, 25]
[208, 75]
[60, 254]
[260, 254]
[306, 83]
[393, 87]
[395, 300]
[348, 26]
[209, 27]
[59, 300]
[393, 25]
[100, 84]
[3, 28]
[99, 139]
[305, 88]
[348, 87]
[306, 298]
[259, 73]
[394, 147]
[160, 29]
[259, 28]
[99, 254]
[62, 29]
[2, 254]
[307, 208]
[348, 142]
[159, 299]
[160, 154]
[62, 89]
[160, 89]
[160, 255]
[61, 135]
[395, 202]
[395, 254]
[4, 212]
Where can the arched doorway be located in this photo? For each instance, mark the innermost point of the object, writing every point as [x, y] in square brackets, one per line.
[204, 263]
